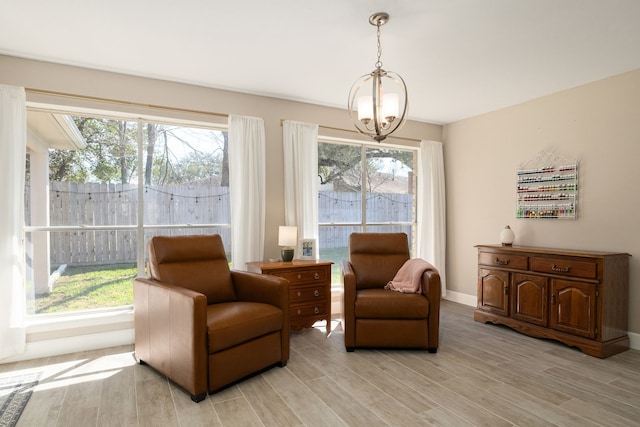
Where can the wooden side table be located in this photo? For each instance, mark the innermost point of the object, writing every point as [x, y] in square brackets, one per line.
[310, 289]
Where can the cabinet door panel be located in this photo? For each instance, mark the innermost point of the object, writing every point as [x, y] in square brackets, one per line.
[529, 296]
[493, 288]
[573, 307]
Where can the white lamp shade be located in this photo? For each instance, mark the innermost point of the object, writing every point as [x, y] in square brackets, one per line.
[390, 105]
[365, 108]
[287, 235]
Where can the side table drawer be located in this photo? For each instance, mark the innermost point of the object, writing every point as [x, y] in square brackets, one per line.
[301, 293]
[306, 275]
[319, 309]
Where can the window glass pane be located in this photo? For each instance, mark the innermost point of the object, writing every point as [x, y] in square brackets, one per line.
[333, 244]
[67, 282]
[340, 172]
[347, 172]
[389, 185]
[186, 176]
[94, 185]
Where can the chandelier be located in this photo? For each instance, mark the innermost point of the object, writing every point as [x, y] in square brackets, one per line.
[378, 101]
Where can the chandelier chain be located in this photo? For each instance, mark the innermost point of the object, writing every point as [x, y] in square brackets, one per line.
[379, 62]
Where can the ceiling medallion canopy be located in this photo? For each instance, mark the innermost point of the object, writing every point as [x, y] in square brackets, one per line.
[378, 100]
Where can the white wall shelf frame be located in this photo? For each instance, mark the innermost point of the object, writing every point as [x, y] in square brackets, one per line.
[547, 188]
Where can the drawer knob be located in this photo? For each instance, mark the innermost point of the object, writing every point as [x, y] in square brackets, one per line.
[299, 276]
[561, 270]
[316, 276]
[299, 311]
[316, 293]
[316, 310]
[299, 293]
[502, 262]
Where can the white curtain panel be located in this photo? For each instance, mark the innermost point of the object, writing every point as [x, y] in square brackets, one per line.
[300, 144]
[247, 189]
[13, 139]
[432, 225]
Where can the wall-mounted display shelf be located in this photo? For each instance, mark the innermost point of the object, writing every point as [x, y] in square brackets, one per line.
[548, 192]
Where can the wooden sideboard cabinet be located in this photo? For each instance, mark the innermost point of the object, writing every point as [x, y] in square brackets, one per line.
[579, 298]
[310, 289]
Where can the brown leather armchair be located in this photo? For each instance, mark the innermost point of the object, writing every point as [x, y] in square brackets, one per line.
[203, 325]
[377, 317]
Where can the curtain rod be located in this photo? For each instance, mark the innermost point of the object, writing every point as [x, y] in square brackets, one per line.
[401, 138]
[120, 102]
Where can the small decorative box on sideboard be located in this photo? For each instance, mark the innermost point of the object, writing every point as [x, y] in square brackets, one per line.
[310, 289]
[579, 298]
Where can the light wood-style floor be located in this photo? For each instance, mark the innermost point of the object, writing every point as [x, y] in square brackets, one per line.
[483, 375]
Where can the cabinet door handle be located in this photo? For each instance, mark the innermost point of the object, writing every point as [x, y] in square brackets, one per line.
[506, 289]
[553, 298]
[500, 262]
[316, 276]
[316, 310]
[316, 293]
[561, 270]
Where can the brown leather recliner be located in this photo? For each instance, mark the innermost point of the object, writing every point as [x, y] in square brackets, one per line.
[203, 325]
[378, 317]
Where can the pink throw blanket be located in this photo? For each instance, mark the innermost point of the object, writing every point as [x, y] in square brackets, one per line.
[409, 278]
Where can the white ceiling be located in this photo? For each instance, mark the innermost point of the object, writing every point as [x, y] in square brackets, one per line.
[459, 58]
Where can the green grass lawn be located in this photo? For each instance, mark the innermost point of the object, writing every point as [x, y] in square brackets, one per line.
[88, 287]
[101, 286]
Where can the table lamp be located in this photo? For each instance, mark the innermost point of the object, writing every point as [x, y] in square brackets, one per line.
[287, 238]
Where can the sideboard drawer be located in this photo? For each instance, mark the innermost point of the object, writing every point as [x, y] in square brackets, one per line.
[564, 266]
[497, 259]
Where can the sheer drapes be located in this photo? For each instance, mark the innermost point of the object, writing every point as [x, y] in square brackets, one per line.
[300, 143]
[13, 135]
[431, 241]
[247, 189]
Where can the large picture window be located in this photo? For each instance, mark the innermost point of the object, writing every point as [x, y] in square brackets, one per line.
[363, 188]
[97, 188]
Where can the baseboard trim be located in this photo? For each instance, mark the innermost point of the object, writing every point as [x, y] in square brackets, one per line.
[461, 298]
[471, 300]
[634, 340]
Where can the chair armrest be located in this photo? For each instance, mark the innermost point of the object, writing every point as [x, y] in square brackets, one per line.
[431, 288]
[261, 288]
[268, 290]
[349, 302]
[171, 332]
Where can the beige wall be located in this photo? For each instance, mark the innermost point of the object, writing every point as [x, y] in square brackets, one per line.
[134, 90]
[599, 125]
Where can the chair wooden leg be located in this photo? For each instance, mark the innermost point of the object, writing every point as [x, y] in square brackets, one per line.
[198, 397]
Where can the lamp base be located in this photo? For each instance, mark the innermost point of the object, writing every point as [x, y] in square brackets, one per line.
[287, 254]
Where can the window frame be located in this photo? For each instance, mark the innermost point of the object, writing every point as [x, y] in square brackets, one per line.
[38, 322]
[363, 225]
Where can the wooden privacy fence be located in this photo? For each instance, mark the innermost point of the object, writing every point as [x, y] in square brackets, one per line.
[93, 204]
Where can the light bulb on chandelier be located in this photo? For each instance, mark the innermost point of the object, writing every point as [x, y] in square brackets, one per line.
[378, 100]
